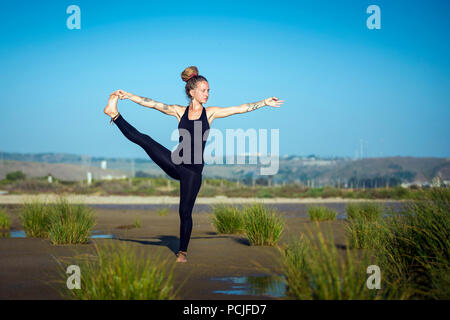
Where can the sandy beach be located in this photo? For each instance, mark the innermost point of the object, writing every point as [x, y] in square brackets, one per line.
[93, 199]
[28, 265]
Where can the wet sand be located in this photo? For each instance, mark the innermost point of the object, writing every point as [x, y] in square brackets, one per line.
[28, 265]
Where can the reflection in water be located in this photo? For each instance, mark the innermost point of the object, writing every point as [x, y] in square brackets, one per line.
[273, 286]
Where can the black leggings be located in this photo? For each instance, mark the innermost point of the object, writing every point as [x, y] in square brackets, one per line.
[190, 181]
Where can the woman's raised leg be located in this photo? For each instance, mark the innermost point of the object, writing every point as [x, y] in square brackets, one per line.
[157, 152]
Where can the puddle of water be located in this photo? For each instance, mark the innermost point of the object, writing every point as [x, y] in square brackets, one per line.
[22, 234]
[97, 234]
[17, 234]
[12, 234]
[254, 285]
[102, 236]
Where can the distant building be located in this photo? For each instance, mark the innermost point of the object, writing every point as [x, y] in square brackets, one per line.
[103, 164]
[110, 177]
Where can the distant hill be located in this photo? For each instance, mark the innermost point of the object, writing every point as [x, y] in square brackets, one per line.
[62, 171]
[309, 170]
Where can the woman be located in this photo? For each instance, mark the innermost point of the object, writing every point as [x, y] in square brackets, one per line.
[194, 117]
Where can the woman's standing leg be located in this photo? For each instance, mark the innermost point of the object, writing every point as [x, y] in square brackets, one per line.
[190, 184]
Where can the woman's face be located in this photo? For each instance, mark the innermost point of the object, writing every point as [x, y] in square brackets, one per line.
[201, 92]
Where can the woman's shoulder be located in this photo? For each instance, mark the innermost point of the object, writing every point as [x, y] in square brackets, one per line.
[179, 111]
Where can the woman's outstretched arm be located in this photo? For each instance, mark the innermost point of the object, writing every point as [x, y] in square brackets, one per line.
[218, 112]
[170, 109]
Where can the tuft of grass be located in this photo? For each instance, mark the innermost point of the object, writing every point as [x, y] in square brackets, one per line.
[364, 225]
[316, 270]
[122, 272]
[62, 222]
[262, 226]
[415, 251]
[35, 219]
[162, 212]
[5, 220]
[137, 223]
[370, 211]
[321, 213]
[227, 219]
[70, 223]
[412, 247]
[365, 234]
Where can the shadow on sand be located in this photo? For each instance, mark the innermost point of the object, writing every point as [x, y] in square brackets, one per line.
[171, 242]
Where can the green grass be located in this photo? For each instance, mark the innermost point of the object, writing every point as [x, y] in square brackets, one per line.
[162, 212]
[415, 250]
[227, 219]
[69, 223]
[321, 213]
[5, 220]
[262, 226]
[120, 271]
[314, 269]
[137, 223]
[364, 225]
[367, 210]
[61, 222]
[213, 187]
[365, 234]
[35, 219]
[411, 247]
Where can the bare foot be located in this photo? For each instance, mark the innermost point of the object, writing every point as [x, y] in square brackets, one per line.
[111, 108]
[181, 256]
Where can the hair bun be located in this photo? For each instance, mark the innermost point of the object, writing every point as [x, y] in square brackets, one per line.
[193, 75]
[189, 73]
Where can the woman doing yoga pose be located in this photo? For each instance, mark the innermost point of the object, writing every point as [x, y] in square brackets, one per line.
[186, 162]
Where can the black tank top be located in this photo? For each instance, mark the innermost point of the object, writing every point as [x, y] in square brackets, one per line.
[196, 129]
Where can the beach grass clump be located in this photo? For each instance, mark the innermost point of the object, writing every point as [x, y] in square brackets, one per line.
[370, 211]
[69, 223]
[227, 219]
[364, 228]
[120, 271]
[321, 213]
[5, 220]
[315, 270]
[162, 212]
[137, 223]
[365, 234]
[415, 250]
[62, 222]
[35, 218]
[262, 226]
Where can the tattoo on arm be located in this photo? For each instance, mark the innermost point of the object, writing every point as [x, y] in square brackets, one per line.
[254, 106]
[154, 103]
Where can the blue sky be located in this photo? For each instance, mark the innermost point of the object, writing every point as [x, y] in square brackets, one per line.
[341, 81]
